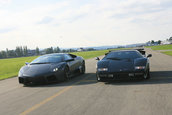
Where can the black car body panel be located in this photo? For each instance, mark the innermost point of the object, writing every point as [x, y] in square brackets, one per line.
[50, 71]
[122, 65]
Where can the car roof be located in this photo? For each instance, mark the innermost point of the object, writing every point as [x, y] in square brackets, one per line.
[123, 50]
[54, 54]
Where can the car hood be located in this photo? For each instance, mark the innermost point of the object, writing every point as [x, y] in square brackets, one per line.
[38, 69]
[124, 65]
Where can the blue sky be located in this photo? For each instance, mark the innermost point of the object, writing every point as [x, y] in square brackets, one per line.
[81, 23]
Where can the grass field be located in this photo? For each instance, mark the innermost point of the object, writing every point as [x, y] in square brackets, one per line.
[10, 67]
[168, 53]
[161, 47]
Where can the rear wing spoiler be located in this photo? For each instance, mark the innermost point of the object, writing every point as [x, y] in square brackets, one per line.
[141, 50]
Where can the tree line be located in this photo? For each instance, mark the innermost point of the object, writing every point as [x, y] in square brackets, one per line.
[23, 51]
[18, 52]
[159, 41]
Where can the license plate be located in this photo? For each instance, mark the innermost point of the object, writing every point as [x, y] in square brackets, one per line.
[131, 74]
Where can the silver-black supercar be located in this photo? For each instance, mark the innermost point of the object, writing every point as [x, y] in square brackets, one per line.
[51, 68]
[123, 64]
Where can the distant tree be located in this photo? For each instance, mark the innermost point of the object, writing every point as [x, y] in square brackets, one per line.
[170, 38]
[159, 42]
[90, 49]
[21, 51]
[70, 50]
[1, 56]
[57, 50]
[7, 52]
[49, 50]
[37, 51]
[11, 53]
[64, 51]
[152, 41]
[3, 53]
[25, 51]
[17, 51]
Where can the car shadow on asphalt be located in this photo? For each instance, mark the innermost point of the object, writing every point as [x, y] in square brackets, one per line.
[78, 79]
[157, 77]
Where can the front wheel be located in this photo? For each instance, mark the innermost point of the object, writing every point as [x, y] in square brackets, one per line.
[82, 70]
[66, 74]
[146, 75]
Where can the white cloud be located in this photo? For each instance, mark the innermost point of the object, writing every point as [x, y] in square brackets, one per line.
[102, 22]
[4, 2]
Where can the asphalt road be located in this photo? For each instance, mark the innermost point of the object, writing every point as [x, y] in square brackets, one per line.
[83, 95]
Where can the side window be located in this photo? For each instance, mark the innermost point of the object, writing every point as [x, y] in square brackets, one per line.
[67, 57]
[73, 56]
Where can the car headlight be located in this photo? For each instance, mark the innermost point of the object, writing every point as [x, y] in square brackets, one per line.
[55, 69]
[102, 69]
[140, 67]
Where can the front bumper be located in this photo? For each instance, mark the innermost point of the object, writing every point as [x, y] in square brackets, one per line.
[120, 75]
[48, 78]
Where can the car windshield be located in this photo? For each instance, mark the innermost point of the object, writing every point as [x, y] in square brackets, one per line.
[123, 55]
[47, 59]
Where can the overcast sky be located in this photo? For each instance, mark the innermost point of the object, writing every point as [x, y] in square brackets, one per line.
[81, 23]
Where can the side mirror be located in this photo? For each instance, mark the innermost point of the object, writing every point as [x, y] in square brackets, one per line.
[27, 63]
[150, 55]
[97, 58]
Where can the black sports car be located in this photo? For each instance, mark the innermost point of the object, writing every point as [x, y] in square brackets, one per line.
[50, 68]
[123, 63]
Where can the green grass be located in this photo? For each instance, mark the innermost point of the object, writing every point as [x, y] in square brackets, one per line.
[10, 67]
[161, 47]
[168, 53]
[90, 54]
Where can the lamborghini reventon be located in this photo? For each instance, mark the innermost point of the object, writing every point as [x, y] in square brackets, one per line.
[51, 68]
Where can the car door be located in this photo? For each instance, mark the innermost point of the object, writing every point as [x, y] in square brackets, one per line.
[71, 64]
[77, 60]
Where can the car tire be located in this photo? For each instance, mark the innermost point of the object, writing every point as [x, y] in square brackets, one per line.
[146, 75]
[66, 73]
[82, 71]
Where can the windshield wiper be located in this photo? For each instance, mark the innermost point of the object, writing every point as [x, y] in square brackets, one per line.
[40, 63]
[114, 58]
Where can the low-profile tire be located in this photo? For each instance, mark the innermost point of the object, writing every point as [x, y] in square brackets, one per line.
[66, 74]
[146, 75]
[82, 71]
